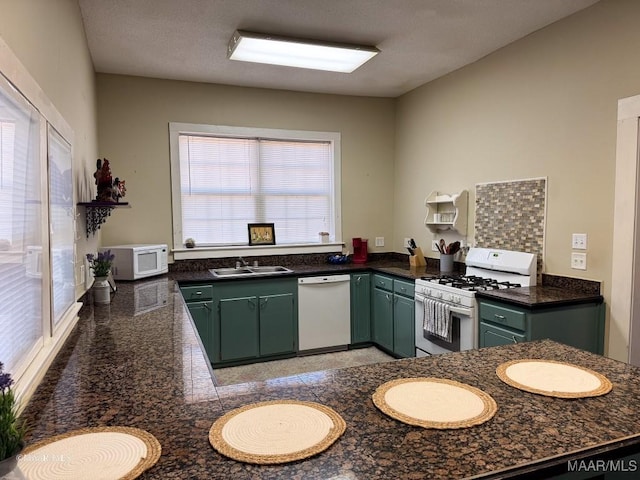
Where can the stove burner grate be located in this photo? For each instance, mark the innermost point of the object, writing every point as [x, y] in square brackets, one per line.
[472, 283]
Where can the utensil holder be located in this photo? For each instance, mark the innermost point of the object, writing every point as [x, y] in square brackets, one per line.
[446, 262]
[417, 259]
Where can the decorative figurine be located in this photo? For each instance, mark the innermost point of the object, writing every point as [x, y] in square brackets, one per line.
[118, 190]
[109, 190]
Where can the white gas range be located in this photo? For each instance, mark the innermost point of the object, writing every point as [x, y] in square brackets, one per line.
[446, 311]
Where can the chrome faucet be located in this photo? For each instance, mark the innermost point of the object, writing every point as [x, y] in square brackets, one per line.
[243, 262]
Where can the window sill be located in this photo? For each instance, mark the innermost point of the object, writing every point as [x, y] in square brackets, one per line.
[253, 251]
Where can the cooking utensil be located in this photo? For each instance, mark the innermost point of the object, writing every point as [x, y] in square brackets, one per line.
[412, 243]
[453, 248]
[442, 246]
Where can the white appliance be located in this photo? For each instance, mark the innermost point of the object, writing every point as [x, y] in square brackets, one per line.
[324, 312]
[138, 260]
[446, 311]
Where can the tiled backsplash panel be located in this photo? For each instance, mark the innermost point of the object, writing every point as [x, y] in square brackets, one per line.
[511, 215]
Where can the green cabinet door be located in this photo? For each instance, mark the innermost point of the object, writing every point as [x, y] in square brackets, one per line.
[404, 343]
[278, 333]
[202, 314]
[238, 336]
[494, 336]
[383, 318]
[360, 308]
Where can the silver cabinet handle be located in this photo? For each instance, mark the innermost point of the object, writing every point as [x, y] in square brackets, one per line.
[515, 340]
[501, 317]
[206, 305]
[358, 280]
[388, 297]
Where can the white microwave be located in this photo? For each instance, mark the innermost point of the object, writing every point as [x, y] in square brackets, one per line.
[138, 260]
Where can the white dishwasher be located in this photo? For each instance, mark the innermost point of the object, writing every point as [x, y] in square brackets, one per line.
[324, 312]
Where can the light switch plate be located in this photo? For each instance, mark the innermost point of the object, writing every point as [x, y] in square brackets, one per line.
[379, 241]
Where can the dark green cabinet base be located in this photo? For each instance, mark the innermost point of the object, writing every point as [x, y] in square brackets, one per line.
[254, 320]
[393, 315]
[580, 326]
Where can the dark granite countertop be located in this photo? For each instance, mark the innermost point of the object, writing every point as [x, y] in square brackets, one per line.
[540, 297]
[397, 268]
[146, 369]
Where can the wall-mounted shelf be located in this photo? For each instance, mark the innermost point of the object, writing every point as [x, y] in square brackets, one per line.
[447, 212]
[97, 213]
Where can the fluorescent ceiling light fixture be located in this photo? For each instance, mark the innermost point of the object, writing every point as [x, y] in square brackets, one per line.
[293, 52]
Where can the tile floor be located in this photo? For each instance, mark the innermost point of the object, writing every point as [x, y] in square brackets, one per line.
[257, 372]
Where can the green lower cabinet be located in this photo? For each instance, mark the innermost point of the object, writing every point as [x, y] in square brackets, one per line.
[494, 336]
[202, 314]
[360, 308]
[393, 315]
[580, 326]
[238, 323]
[404, 343]
[383, 318]
[199, 301]
[277, 330]
[253, 320]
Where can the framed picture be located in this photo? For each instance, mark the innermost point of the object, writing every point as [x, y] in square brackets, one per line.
[261, 234]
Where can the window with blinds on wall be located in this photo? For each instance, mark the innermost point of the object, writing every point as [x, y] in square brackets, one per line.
[229, 181]
[21, 316]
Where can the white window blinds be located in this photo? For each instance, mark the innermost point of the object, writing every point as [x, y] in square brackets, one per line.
[21, 323]
[228, 182]
[61, 224]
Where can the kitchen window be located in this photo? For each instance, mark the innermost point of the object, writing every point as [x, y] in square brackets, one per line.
[224, 178]
[37, 227]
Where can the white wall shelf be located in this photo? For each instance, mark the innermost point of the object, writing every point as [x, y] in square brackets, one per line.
[447, 212]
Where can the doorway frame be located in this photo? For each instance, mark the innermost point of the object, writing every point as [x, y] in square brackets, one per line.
[624, 325]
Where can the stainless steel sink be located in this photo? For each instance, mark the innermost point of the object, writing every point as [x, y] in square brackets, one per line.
[249, 271]
[269, 269]
[225, 272]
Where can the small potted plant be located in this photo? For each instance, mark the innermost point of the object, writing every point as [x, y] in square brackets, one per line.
[101, 266]
[12, 429]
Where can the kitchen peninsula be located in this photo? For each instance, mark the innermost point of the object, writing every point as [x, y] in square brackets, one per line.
[146, 369]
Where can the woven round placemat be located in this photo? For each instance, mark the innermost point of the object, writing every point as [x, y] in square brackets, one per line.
[277, 431]
[434, 402]
[553, 378]
[98, 453]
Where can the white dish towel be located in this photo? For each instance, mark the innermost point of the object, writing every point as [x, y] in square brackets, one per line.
[437, 319]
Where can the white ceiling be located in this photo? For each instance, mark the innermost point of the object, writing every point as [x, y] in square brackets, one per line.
[420, 40]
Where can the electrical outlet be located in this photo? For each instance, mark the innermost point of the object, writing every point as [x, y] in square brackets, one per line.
[379, 241]
[579, 241]
[434, 246]
[579, 261]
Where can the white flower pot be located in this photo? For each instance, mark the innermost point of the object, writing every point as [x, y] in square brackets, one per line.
[101, 290]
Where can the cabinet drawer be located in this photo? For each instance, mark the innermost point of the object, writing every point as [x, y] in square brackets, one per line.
[503, 316]
[403, 288]
[380, 281]
[492, 336]
[197, 292]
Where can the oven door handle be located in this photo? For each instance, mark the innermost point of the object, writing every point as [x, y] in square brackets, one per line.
[452, 309]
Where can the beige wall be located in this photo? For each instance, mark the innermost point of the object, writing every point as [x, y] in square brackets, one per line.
[134, 115]
[543, 106]
[48, 38]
